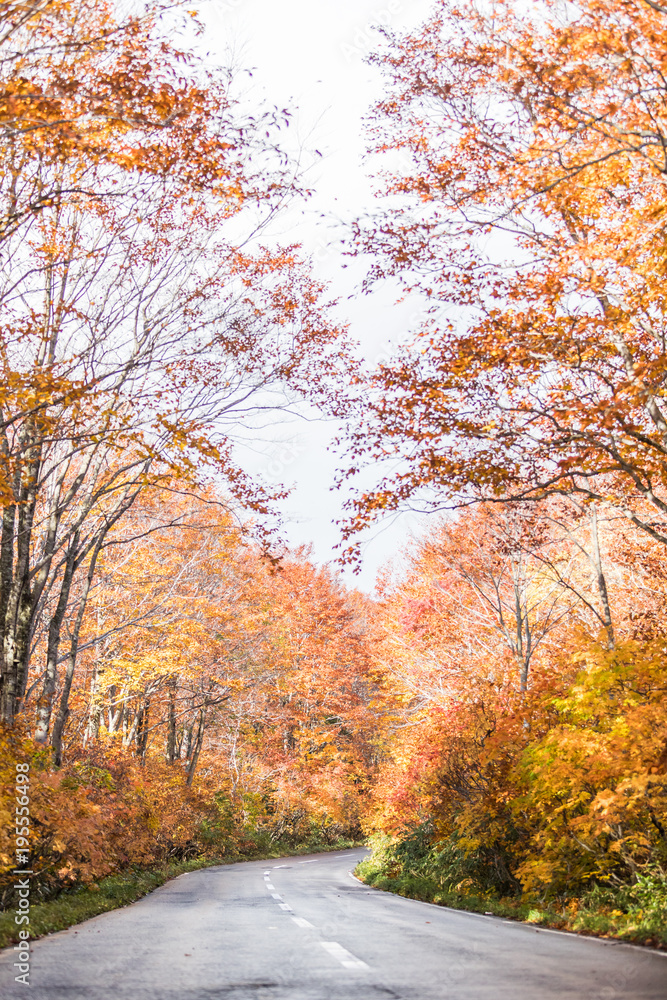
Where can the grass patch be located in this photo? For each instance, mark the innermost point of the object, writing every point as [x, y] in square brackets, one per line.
[76, 905]
[636, 914]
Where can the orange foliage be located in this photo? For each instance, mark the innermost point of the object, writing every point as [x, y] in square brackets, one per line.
[524, 206]
[552, 786]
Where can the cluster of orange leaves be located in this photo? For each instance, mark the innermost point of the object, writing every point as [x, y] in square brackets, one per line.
[99, 814]
[552, 788]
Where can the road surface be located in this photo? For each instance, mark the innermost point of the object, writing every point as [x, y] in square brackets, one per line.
[304, 929]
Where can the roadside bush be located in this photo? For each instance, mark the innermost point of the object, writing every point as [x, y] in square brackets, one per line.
[594, 788]
[95, 816]
[418, 864]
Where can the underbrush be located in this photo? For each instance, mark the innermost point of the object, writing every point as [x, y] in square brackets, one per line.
[72, 906]
[444, 874]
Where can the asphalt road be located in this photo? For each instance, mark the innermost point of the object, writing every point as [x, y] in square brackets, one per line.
[304, 929]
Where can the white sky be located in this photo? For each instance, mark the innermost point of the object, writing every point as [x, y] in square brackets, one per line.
[309, 55]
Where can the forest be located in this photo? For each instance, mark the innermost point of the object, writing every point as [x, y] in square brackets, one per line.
[180, 686]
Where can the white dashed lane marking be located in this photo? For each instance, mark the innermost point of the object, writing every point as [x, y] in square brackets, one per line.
[301, 922]
[342, 955]
[345, 957]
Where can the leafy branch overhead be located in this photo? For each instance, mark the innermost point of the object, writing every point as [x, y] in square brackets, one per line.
[524, 197]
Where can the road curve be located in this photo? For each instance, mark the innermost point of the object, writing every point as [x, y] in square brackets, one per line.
[304, 929]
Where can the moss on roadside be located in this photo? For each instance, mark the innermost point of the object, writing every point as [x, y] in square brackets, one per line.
[76, 905]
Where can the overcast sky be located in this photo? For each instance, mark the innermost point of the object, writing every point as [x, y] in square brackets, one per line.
[309, 55]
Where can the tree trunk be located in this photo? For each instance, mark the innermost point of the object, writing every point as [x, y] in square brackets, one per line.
[601, 581]
[63, 709]
[142, 730]
[19, 605]
[171, 725]
[197, 747]
[45, 703]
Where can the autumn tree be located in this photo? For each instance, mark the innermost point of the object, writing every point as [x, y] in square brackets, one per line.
[490, 582]
[248, 674]
[524, 188]
[164, 635]
[303, 724]
[564, 784]
[141, 318]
